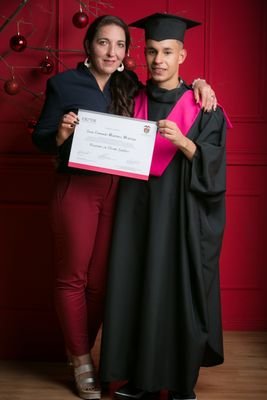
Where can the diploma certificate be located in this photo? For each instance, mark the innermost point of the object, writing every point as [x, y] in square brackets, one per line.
[113, 144]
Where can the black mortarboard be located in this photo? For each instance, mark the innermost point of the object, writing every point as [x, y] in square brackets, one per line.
[164, 26]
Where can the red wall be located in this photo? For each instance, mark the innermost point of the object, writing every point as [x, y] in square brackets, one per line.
[230, 50]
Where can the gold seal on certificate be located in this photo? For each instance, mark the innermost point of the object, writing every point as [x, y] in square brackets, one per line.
[113, 144]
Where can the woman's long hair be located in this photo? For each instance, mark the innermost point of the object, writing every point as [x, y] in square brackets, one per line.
[123, 85]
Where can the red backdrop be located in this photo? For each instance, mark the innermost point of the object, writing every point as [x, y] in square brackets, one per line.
[229, 50]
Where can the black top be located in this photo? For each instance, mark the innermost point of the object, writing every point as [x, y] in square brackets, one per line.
[65, 92]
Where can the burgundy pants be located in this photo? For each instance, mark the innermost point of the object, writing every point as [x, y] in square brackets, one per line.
[82, 211]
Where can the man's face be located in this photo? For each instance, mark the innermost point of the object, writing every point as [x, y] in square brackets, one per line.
[163, 59]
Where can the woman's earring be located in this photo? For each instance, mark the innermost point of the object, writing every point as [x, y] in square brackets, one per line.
[87, 63]
[120, 68]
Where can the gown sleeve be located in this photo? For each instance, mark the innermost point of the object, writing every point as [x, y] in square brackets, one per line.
[209, 164]
[206, 209]
[44, 134]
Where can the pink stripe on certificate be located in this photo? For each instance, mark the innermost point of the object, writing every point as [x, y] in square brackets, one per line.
[108, 171]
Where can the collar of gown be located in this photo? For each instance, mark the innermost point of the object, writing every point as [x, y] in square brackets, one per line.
[163, 95]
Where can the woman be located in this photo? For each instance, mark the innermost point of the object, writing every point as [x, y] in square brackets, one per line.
[83, 203]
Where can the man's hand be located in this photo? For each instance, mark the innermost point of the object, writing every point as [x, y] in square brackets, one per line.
[170, 131]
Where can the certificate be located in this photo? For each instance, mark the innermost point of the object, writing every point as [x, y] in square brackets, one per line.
[113, 144]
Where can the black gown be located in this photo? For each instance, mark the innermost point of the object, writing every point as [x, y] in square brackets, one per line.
[163, 312]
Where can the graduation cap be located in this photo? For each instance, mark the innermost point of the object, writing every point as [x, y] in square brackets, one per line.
[164, 26]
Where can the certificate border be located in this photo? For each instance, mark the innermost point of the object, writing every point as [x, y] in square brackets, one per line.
[118, 116]
[118, 172]
[108, 171]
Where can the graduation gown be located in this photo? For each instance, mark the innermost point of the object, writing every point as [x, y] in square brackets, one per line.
[163, 312]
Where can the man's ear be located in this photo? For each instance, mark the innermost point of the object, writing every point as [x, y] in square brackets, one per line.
[182, 55]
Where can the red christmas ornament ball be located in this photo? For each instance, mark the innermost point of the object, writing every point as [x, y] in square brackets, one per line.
[80, 19]
[11, 87]
[18, 42]
[129, 63]
[47, 66]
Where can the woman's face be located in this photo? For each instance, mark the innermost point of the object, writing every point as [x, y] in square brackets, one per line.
[107, 50]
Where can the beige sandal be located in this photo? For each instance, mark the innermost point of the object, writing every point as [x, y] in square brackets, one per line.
[86, 386]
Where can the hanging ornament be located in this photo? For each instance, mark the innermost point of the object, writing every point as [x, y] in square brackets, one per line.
[47, 66]
[18, 42]
[80, 19]
[129, 63]
[11, 86]
[31, 125]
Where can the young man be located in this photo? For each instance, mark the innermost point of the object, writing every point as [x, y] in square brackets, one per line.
[163, 315]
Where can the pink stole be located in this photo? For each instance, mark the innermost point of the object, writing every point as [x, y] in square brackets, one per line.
[184, 114]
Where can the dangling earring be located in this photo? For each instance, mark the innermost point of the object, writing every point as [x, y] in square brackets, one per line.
[120, 68]
[87, 63]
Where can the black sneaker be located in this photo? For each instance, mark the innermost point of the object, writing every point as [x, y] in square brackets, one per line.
[178, 396]
[129, 391]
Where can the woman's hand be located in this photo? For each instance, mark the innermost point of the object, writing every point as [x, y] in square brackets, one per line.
[170, 131]
[204, 94]
[66, 127]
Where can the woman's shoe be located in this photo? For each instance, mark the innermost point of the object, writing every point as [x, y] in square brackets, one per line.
[86, 385]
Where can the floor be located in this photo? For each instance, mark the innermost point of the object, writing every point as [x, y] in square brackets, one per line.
[243, 376]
